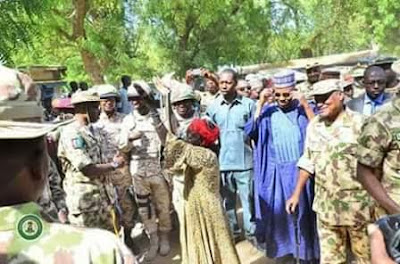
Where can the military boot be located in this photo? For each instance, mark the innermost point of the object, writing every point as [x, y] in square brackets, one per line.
[153, 250]
[164, 244]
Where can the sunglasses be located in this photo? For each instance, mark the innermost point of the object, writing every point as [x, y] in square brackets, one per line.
[285, 95]
[320, 99]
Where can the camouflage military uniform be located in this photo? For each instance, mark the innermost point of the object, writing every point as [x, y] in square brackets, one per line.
[306, 88]
[151, 189]
[89, 201]
[121, 179]
[343, 207]
[53, 197]
[56, 243]
[206, 98]
[379, 147]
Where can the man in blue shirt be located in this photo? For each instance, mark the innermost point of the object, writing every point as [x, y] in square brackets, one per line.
[230, 112]
[124, 106]
[374, 96]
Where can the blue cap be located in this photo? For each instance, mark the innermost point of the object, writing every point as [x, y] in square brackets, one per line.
[284, 79]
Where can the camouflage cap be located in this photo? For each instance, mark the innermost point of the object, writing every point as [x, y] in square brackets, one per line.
[106, 91]
[326, 86]
[85, 97]
[312, 65]
[242, 83]
[18, 96]
[357, 72]
[256, 84]
[344, 84]
[396, 67]
[181, 93]
[24, 130]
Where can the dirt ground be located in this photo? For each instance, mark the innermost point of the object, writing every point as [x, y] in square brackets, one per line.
[247, 253]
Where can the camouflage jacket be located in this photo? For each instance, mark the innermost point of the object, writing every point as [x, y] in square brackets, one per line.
[379, 145]
[53, 197]
[78, 148]
[144, 152]
[27, 237]
[111, 129]
[329, 154]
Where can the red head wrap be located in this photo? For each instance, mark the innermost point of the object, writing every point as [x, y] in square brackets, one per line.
[207, 131]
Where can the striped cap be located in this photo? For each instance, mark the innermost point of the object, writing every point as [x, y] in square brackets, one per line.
[284, 79]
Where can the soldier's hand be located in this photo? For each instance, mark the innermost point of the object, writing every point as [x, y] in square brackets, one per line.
[378, 248]
[63, 216]
[189, 76]
[291, 204]
[120, 160]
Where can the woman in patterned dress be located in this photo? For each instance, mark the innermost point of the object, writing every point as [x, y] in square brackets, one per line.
[205, 236]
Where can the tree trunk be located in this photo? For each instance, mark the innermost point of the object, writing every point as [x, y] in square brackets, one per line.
[92, 67]
[90, 62]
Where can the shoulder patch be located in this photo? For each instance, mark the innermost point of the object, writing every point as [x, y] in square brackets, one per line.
[78, 143]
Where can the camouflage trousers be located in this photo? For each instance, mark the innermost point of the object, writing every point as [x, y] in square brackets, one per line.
[95, 219]
[122, 181]
[335, 240]
[153, 200]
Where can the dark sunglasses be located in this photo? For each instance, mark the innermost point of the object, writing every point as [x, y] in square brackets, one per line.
[286, 95]
[320, 99]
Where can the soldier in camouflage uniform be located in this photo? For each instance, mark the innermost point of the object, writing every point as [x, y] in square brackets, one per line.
[87, 177]
[342, 206]
[151, 189]
[378, 156]
[52, 200]
[110, 124]
[313, 72]
[26, 234]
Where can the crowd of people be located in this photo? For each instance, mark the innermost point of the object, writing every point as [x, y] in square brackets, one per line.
[313, 165]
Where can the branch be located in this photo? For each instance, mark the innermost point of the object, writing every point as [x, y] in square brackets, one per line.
[81, 8]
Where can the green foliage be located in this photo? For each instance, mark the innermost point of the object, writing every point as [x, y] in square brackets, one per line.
[147, 37]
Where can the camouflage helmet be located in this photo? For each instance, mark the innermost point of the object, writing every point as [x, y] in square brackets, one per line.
[181, 93]
[106, 91]
[142, 84]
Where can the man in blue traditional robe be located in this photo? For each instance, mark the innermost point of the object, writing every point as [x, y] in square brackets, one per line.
[278, 131]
